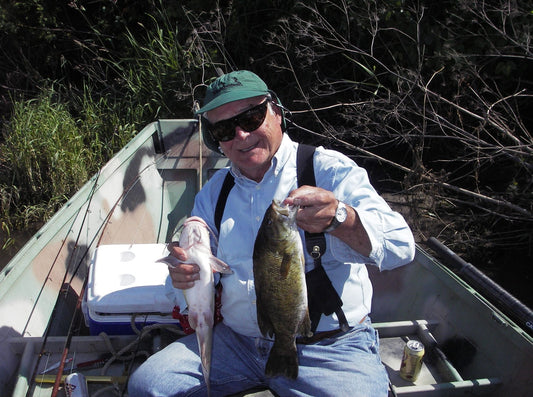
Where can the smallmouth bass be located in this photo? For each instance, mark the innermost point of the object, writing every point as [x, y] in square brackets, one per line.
[281, 292]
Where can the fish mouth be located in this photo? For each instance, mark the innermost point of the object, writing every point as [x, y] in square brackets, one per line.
[195, 219]
[285, 210]
[200, 221]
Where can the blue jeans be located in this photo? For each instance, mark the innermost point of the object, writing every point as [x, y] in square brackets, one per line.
[345, 365]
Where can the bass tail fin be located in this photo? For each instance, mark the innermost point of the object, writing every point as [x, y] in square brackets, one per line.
[282, 361]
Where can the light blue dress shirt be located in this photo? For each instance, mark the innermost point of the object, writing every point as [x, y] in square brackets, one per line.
[391, 238]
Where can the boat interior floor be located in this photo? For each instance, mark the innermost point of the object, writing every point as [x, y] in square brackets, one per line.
[106, 360]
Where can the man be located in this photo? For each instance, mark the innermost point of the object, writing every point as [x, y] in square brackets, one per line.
[246, 121]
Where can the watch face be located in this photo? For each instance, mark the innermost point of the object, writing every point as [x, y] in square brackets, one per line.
[342, 214]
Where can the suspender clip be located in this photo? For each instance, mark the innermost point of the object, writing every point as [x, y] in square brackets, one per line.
[315, 253]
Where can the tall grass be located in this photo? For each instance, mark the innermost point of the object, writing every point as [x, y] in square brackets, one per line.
[159, 72]
[45, 153]
[48, 153]
[53, 143]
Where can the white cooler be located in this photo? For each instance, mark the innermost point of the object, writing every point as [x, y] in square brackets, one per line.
[124, 281]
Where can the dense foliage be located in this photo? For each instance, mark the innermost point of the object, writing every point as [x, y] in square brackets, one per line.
[433, 97]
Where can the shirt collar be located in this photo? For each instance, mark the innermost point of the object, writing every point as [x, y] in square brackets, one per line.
[282, 155]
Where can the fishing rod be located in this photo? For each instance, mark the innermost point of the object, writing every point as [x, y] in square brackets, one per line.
[75, 269]
[55, 310]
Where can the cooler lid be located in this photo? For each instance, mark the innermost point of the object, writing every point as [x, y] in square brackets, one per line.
[125, 278]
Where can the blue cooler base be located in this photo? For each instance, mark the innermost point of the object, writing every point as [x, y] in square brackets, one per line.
[122, 327]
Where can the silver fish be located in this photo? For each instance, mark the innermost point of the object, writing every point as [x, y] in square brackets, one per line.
[280, 288]
[194, 239]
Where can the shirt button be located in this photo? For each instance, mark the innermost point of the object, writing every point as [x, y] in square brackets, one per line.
[257, 187]
[257, 218]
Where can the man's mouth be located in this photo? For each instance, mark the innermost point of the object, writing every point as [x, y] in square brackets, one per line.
[247, 149]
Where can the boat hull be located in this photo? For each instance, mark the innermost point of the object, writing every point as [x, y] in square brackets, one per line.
[142, 196]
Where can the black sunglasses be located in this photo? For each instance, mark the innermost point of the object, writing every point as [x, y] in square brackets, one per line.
[249, 120]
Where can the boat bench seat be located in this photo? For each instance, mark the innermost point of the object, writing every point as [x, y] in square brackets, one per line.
[438, 376]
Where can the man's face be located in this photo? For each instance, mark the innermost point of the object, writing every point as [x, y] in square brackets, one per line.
[252, 151]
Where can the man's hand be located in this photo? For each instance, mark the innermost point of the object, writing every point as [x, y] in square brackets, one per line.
[183, 275]
[317, 207]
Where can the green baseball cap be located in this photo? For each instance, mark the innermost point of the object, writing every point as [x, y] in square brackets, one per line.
[231, 87]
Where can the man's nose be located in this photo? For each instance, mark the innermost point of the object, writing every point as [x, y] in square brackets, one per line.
[240, 133]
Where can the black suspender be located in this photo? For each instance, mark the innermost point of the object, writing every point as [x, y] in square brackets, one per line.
[227, 185]
[314, 242]
[322, 296]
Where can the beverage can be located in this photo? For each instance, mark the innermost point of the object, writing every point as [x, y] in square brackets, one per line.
[413, 353]
[76, 385]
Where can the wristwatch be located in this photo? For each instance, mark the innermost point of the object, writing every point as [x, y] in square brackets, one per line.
[341, 213]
